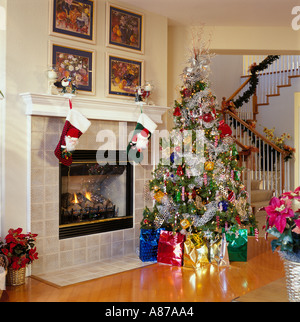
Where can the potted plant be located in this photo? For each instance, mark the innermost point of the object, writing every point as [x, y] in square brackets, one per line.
[20, 251]
[283, 223]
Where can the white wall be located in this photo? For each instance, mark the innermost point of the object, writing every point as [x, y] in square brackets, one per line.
[2, 102]
[27, 41]
[279, 114]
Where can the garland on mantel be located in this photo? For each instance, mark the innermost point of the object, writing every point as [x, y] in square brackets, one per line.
[254, 69]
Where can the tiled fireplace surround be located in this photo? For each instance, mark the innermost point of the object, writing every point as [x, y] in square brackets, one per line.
[46, 118]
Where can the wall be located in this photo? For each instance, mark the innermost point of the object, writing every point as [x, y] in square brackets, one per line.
[2, 108]
[226, 67]
[297, 137]
[27, 45]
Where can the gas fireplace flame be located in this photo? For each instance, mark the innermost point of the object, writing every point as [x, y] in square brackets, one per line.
[75, 198]
[88, 196]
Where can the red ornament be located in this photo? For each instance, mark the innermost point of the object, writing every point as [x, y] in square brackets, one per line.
[208, 117]
[177, 111]
[231, 196]
[179, 171]
[237, 218]
[225, 129]
[186, 92]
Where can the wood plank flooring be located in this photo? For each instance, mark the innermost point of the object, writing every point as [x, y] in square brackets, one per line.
[164, 283]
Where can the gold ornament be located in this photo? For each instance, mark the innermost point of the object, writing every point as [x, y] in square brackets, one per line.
[209, 165]
[159, 195]
[185, 223]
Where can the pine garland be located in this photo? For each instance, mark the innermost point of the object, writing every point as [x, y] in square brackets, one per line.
[254, 80]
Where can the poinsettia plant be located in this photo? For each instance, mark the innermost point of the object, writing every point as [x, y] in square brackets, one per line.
[283, 222]
[19, 248]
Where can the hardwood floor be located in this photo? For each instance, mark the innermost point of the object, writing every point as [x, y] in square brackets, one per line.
[164, 283]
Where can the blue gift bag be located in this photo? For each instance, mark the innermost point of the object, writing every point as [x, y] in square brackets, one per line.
[149, 244]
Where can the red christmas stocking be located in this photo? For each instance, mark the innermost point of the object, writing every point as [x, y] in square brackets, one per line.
[76, 124]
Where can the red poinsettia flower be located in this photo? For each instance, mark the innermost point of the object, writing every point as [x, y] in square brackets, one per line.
[292, 194]
[33, 254]
[277, 212]
[19, 248]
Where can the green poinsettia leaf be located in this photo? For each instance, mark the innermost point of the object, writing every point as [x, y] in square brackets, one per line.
[274, 231]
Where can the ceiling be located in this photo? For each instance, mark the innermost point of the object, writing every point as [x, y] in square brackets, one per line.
[221, 12]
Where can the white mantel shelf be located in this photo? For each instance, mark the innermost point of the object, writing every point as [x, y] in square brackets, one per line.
[58, 106]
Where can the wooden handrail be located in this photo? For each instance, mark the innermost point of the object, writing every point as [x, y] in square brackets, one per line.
[250, 128]
[238, 90]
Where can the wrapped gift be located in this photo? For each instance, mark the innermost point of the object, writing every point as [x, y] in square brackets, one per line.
[237, 241]
[219, 251]
[149, 244]
[170, 248]
[195, 252]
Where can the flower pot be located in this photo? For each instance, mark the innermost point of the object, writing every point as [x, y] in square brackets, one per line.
[15, 277]
[292, 275]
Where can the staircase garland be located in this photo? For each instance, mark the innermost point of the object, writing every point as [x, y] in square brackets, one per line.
[254, 69]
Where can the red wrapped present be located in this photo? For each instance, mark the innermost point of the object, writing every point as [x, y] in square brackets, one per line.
[170, 248]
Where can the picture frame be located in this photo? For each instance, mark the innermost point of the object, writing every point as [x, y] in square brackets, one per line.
[73, 19]
[123, 76]
[76, 63]
[124, 29]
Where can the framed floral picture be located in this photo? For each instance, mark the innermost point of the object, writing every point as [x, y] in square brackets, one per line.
[75, 64]
[124, 29]
[73, 19]
[124, 75]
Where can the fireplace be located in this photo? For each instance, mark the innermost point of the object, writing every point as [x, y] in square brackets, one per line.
[95, 196]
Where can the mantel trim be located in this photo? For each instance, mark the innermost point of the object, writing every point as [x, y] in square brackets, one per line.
[58, 105]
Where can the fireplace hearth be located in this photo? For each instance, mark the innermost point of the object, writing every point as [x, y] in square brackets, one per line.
[95, 196]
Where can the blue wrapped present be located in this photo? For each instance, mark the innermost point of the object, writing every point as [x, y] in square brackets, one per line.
[149, 244]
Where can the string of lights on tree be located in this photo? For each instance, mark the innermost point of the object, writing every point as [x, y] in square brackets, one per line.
[197, 185]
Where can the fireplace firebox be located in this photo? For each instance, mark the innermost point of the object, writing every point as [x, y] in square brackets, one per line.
[95, 196]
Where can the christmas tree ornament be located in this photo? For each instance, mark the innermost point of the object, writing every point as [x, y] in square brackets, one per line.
[207, 117]
[75, 125]
[224, 129]
[177, 111]
[209, 165]
[179, 171]
[185, 224]
[140, 139]
[231, 196]
[158, 196]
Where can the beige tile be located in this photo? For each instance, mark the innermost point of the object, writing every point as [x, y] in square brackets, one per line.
[80, 256]
[66, 258]
[66, 244]
[37, 123]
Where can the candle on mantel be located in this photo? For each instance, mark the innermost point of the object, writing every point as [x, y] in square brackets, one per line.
[52, 74]
[148, 88]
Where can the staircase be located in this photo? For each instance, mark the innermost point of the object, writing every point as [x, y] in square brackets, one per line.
[260, 198]
[268, 170]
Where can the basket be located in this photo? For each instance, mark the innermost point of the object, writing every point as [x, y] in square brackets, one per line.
[15, 277]
[292, 275]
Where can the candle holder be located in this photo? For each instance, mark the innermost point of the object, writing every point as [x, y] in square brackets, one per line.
[143, 93]
[52, 78]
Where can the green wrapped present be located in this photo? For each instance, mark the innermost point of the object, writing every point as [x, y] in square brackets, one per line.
[237, 241]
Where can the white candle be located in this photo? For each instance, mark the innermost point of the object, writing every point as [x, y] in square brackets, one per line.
[148, 88]
[52, 74]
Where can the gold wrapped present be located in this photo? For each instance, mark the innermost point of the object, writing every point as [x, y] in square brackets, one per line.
[195, 252]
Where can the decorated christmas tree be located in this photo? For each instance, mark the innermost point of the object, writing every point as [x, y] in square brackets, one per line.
[197, 185]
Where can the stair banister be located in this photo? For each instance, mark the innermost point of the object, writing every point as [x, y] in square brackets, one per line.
[265, 158]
